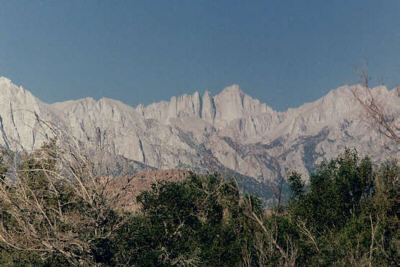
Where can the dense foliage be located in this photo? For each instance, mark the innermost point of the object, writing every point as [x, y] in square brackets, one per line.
[347, 215]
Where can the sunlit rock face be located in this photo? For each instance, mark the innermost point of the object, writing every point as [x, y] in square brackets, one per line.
[20, 115]
[204, 132]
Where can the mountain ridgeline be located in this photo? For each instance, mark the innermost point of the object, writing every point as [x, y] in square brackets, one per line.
[229, 132]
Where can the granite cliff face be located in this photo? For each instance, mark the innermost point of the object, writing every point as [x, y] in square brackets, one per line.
[20, 115]
[228, 131]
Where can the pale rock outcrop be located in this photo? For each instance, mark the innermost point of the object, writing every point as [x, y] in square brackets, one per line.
[20, 115]
[208, 108]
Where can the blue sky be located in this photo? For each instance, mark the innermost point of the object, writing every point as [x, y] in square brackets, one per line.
[282, 52]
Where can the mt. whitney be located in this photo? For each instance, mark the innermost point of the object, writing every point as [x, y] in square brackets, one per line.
[203, 133]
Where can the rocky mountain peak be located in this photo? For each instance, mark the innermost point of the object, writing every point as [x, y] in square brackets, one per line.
[232, 104]
[232, 89]
[5, 80]
[19, 117]
[10, 90]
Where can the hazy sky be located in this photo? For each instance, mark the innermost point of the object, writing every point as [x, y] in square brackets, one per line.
[283, 52]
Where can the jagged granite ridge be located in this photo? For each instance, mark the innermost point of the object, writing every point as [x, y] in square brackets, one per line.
[228, 131]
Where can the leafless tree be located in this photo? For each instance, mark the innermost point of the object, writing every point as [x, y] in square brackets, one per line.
[267, 245]
[54, 195]
[376, 111]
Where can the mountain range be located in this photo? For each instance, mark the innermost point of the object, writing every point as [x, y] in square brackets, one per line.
[230, 131]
